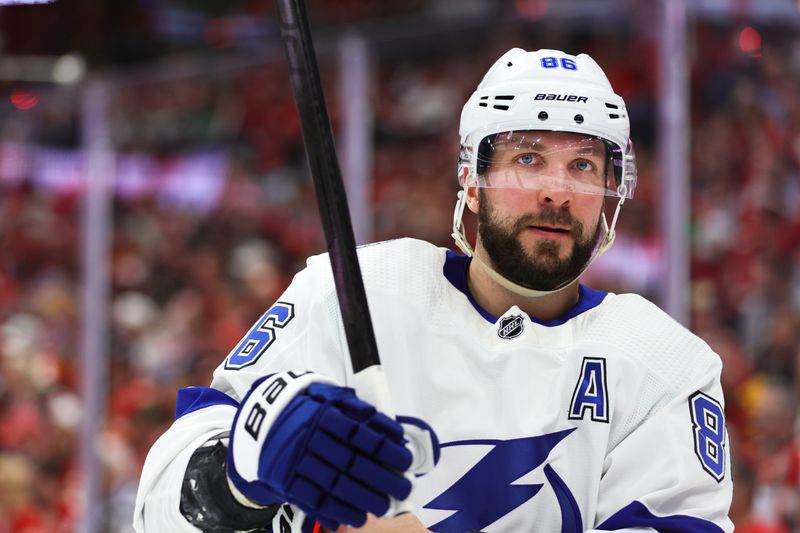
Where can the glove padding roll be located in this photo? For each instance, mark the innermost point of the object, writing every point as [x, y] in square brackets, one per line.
[301, 439]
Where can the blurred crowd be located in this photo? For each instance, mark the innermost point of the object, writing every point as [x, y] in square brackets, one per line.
[187, 283]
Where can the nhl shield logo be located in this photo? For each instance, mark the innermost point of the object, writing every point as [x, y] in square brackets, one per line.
[510, 327]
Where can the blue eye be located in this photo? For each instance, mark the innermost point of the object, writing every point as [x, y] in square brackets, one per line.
[584, 165]
[528, 159]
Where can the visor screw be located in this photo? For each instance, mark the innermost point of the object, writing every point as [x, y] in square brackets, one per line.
[543, 115]
[579, 119]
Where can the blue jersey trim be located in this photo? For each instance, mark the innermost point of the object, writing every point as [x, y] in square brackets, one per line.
[490, 442]
[636, 514]
[571, 520]
[191, 399]
[455, 270]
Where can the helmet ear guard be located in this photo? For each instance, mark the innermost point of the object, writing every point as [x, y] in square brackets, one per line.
[545, 90]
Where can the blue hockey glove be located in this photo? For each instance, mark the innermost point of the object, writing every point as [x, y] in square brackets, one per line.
[300, 438]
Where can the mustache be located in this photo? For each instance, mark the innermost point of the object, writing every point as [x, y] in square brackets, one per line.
[550, 217]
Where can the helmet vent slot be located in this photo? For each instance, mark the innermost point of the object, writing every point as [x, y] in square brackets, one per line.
[504, 97]
[613, 115]
[483, 104]
[501, 107]
[612, 106]
[487, 97]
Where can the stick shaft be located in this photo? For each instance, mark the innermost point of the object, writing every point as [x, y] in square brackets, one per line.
[328, 184]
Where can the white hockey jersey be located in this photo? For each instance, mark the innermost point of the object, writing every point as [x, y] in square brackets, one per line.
[609, 418]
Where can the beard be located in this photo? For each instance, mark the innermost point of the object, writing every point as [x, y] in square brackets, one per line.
[543, 269]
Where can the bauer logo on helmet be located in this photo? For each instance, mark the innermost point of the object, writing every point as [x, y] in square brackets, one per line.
[561, 97]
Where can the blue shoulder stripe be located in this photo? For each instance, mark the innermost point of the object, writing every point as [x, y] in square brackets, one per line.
[636, 514]
[191, 399]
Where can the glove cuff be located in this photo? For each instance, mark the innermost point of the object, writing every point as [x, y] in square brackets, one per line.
[423, 443]
[259, 409]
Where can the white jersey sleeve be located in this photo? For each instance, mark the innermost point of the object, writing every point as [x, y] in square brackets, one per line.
[649, 479]
[668, 467]
[159, 493]
[299, 334]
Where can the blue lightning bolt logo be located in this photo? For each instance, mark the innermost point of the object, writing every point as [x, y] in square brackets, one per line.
[485, 493]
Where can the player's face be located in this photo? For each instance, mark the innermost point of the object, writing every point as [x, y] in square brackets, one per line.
[541, 238]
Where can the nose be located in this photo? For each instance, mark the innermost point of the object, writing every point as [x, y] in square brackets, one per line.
[557, 198]
[558, 193]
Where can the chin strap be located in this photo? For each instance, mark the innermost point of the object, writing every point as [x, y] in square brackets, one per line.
[609, 235]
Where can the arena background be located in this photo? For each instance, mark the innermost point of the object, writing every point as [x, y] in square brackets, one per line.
[154, 200]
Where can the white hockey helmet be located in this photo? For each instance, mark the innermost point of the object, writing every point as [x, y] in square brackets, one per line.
[546, 90]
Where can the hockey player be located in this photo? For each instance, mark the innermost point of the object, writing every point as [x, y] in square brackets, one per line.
[557, 408]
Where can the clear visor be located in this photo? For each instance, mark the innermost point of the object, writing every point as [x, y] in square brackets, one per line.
[547, 160]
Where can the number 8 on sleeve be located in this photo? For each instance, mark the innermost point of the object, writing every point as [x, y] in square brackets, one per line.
[708, 421]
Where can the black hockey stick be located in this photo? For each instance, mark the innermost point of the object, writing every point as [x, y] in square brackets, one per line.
[331, 198]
